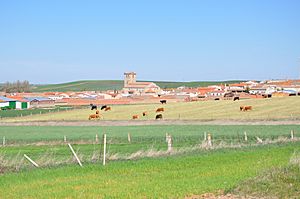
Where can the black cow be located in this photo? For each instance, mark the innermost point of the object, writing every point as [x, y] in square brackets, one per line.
[163, 101]
[93, 107]
[236, 98]
[103, 107]
[158, 116]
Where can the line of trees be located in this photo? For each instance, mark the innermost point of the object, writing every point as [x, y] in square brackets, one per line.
[16, 87]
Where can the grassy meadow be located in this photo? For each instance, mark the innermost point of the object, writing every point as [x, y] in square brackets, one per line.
[31, 134]
[164, 177]
[263, 109]
[48, 141]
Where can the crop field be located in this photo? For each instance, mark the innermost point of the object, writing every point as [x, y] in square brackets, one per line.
[141, 168]
[263, 109]
[48, 141]
[164, 177]
[31, 134]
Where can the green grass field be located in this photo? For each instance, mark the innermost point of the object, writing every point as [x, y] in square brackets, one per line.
[29, 134]
[287, 108]
[41, 141]
[100, 85]
[279, 182]
[169, 176]
[36, 111]
[166, 177]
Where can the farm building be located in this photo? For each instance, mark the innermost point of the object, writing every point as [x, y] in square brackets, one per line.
[10, 103]
[131, 86]
[40, 101]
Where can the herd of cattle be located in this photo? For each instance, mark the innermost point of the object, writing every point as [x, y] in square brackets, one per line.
[159, 115]
[97, 115]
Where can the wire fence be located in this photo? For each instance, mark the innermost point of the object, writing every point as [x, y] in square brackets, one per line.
[56, 151]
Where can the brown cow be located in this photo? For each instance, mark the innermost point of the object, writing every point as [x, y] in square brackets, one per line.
[160, 110]
[107, 108]
[247, 108]
[135, 117]
[95, 116]
[145, 113]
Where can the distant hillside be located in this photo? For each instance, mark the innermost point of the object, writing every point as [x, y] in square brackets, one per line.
[100, 85]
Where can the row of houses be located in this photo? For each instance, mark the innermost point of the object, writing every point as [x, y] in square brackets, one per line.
[17, 102]
[148, 92]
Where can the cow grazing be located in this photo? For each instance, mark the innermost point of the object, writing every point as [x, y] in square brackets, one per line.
[145, 113]
[134, 117]
[158, 116]
[236, 98]
[107, 108]
[93, 107]
[95, 116]
[160, 110]
[163, 101]
[241, 108]
[247, 108]
[103, 107]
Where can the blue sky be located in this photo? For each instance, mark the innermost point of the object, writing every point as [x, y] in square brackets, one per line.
[60, 41]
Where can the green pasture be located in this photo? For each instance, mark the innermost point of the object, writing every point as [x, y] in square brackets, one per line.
[48, 141]
[166, 177]
[287, 108]
[28, 134]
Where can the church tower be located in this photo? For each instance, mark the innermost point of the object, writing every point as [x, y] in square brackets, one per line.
[130, 78]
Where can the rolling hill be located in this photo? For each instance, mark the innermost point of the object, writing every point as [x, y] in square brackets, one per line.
[100, 85]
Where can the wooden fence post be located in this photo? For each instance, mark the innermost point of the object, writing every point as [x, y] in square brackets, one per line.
[292, 134]
[246, 138]
[3, 141]
[205, 136]
[209, 143]
[167, 137]
[30, 160]
[169, 143]
[96, 138]
[259, 140]
[104, 149]
[75, 155]
[129, 137]
[65, 139]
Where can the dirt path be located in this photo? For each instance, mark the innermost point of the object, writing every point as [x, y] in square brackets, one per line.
[151, 122]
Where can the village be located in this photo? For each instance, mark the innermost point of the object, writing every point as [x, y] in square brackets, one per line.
[135, 92]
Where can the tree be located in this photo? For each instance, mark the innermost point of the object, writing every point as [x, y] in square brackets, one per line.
[16, 87]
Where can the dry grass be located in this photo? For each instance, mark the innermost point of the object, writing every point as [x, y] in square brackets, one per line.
[263, 109]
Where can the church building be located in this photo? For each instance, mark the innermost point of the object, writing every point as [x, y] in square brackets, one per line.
[131, 86]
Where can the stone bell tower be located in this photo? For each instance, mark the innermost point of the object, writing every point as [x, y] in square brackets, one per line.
[130, 78]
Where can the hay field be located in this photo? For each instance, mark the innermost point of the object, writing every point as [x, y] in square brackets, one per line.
[263, 109]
